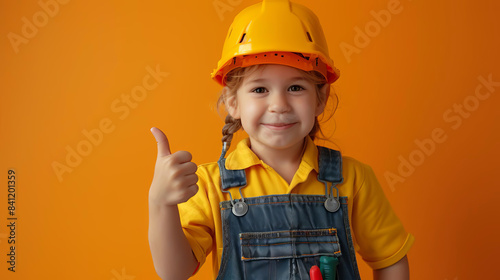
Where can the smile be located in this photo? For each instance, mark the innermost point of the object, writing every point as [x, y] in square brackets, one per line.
[278, 126]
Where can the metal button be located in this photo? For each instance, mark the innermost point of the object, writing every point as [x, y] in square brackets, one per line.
[332, 204]
[240, 208]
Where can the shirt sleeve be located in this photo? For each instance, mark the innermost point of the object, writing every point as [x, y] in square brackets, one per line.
[197, 221]
[381, 238]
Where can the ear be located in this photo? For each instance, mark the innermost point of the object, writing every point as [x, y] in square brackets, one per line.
[231, 104]
[324, 92]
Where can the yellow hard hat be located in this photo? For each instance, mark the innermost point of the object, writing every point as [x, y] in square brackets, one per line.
[276, 32]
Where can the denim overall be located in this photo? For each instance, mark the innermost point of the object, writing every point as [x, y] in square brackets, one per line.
[283, 236]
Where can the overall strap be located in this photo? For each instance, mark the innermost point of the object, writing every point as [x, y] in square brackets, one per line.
[330, 165]
[230, 178]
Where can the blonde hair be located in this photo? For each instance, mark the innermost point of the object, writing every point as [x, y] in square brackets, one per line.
[234, 80]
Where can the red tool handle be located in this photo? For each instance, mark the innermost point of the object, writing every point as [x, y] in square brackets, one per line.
[315, 273]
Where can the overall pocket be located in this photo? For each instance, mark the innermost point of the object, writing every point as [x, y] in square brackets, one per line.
[286, 254]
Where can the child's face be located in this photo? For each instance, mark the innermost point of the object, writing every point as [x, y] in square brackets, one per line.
[277, 107]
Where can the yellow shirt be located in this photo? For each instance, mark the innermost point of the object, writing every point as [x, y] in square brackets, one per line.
[378, 235]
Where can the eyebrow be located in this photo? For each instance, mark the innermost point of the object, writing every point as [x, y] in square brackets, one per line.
[289, 80]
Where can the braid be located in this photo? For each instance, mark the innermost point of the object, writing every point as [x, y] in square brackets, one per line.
[232, 125]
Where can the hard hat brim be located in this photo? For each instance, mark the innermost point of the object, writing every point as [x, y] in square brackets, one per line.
[311, 62]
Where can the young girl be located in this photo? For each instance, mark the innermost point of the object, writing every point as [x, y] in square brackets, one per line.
[278, 205]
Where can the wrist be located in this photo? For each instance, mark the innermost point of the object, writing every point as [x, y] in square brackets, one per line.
[154, 202]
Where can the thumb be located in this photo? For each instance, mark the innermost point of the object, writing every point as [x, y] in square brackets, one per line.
[161, 139]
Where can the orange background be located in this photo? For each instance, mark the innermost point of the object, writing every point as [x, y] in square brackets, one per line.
[93, 223]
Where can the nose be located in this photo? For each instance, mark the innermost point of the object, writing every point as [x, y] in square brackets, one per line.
[278, 102]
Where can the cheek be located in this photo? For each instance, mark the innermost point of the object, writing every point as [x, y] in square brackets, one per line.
[319, 109]
[308, 109]
[252, 111]
[308, 115]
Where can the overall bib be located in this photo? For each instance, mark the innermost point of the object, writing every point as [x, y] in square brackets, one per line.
[283, 236]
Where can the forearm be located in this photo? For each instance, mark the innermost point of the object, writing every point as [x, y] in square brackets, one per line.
[171, 252]
[397, 271]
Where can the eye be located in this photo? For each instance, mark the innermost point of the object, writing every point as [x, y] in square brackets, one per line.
[259, 90]
[295, 88]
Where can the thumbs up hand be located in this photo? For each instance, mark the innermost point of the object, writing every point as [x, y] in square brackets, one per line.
[175, 176]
